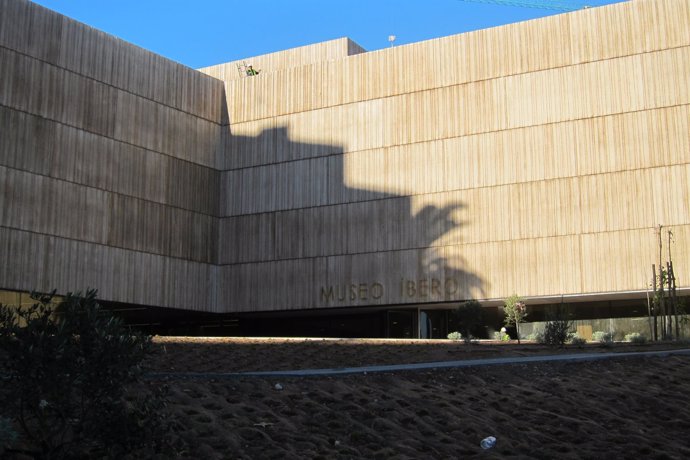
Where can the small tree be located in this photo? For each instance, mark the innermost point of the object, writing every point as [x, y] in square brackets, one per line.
[469, 315]
[515, 311]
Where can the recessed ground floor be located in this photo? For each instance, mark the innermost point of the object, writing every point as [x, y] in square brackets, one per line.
[620, 315]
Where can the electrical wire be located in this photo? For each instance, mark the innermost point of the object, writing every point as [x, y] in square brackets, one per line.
[539, 4]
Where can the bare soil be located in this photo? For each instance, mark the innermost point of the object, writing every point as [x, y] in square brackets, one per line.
[617, 408]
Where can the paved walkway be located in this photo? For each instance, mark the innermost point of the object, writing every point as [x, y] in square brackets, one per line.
[418, 366]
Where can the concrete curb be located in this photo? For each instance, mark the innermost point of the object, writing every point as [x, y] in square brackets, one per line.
[416, 366]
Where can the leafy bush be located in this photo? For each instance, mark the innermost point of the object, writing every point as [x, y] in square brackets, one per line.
[556, 333]
[455, 336]
[70, 367]
[636, 338]
[501, 335]
[605, 338]
[469, 315]
[7, 434]
[557, 329]
[577, 340]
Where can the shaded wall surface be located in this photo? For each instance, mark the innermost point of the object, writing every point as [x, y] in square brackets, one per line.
[108, 164]
[533, 158]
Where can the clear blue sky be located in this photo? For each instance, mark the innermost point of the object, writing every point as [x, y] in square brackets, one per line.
[199, 33]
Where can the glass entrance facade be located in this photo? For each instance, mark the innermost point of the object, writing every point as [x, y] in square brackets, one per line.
[433, 324]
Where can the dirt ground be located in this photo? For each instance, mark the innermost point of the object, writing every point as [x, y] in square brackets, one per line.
[618, 408]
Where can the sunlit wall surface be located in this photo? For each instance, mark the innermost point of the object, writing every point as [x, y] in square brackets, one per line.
[534, 158]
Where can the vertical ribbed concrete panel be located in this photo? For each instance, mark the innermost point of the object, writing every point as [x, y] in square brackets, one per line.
[527, 158]
[108, 165]
[533, 158]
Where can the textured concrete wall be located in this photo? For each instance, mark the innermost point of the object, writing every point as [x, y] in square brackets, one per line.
[533, 158]
[108, 158]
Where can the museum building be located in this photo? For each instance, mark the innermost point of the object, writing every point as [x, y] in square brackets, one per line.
[348, 193]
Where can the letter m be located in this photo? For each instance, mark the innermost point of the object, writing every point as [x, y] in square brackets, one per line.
[327, 294]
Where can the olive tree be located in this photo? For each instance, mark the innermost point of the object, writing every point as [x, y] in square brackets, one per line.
[515, 312]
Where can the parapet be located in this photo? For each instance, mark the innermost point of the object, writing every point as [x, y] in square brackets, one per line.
[295, 57]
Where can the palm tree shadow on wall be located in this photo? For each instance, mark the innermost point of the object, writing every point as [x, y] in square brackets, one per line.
[331, 244]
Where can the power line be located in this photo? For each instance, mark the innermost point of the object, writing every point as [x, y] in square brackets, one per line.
[540, 4]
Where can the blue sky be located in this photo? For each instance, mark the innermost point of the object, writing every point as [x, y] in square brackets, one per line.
[199, 33]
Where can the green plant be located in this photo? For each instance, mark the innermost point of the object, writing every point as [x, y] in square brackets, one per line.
[557, 329]
[515, 312]
[556, 333]
[604, 338]
[469, 315]
[455, 336]
[70, 367]
[636, 338]
[577, 340]
[501, 335]
[7, 434]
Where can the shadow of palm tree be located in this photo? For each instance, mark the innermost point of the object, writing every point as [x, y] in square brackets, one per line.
[364, 239]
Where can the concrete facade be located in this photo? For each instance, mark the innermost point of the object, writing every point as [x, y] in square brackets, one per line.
[534, 158]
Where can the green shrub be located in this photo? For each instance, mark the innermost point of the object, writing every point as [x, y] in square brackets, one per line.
[556, 333]
[455, 336]
[7, 434]
[604, 338]
[577, 340]
[469, 315]
[502, 335]
[70, 367]
[557, 328]
[636, 338]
